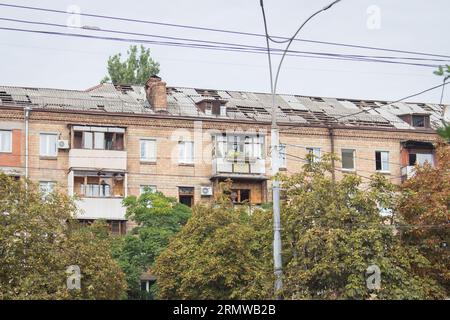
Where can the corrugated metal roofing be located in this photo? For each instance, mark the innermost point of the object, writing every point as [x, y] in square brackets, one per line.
[240, 105]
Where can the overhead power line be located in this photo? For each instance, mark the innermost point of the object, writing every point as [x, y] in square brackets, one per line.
[241, 33]
[237, 45]
[213, 47]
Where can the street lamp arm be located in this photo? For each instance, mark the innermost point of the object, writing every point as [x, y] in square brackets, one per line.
[293, 38]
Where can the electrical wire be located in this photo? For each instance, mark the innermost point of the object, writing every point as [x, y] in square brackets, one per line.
[230, 48]
[218, 30]
[238, 45]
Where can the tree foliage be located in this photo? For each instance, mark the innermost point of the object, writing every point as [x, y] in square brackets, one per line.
[221, 253]
[135, 70]
[333, 232]
[444, 131]
[39, 240]
[158, 218]
[424, 206]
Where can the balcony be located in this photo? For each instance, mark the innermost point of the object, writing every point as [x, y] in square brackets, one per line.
[98, 159]
[101, 208]
[408, 172]
[229, 166]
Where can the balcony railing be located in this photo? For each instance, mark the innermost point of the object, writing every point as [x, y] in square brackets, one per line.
[229, 165]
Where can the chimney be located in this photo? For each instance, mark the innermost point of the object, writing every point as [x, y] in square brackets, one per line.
[156, 93]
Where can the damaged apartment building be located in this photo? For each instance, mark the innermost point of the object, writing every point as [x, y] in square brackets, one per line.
[112, 141]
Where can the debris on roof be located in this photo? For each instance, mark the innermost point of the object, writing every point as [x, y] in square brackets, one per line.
[239, 105]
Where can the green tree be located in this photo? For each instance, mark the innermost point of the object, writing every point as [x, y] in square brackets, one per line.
[333, 232]
[221, 253]
[39, 240]
[444, 72]
[424, 206]
[159, 218]
[135, 70]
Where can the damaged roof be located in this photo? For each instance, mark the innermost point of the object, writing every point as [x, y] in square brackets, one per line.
[237, 105]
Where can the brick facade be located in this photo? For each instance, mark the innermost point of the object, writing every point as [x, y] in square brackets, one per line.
[166, 173]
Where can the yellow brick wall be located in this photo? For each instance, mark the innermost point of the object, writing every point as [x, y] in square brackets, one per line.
[168, 175]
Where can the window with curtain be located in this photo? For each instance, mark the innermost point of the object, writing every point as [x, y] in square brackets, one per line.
[186, 152]
[148, 150]
[5, 141]
[48, 144]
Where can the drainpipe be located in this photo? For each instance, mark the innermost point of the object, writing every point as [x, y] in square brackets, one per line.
[333, 167]
[27, 111]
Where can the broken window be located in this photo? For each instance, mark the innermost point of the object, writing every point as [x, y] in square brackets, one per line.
[186, 195]
[99, 138]
[418, 121]
[240, 196]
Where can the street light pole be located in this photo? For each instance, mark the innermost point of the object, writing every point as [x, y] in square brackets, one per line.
[275, 152]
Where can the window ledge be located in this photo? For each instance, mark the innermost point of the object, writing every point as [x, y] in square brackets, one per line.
[185, 164]
[383, 172]
[148, 162]
[48, 157]
[87, 197]
[348, 170]
[5, 152]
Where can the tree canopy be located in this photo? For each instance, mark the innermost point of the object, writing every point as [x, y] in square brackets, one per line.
[333, 232]
[334, 237]
[444, 72]
[158, 218]
[135, 70]
[424, 209]
[39, 241]
[221, 253]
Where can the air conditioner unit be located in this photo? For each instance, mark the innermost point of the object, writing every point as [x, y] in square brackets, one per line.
[206, 191]
[63, 144]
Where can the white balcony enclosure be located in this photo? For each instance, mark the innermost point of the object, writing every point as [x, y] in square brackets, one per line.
[101, 208]
[228, 166]
[98, 159]
[408, 172]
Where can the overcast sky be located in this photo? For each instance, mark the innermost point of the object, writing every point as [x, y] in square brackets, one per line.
[35, 60]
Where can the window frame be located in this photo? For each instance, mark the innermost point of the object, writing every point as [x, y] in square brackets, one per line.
[354, 159]
[48, 134]
[424, 119]
[46, 192]
[10, 132]
[146, 140]
[100, 140]
[182, 152]
[382, 170]
[150, 186]
[313, 150]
